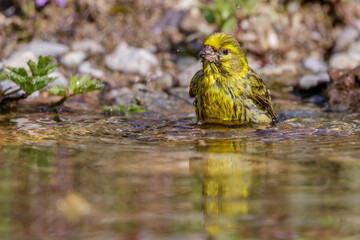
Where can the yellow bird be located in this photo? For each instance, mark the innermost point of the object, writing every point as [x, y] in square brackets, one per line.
[226, 89]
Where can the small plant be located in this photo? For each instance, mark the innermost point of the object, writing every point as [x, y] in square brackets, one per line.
[224, 13]
[38, 78]
[39, 75]
[122, 110]
[77, 86]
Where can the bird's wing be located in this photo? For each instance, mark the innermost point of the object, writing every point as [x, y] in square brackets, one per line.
[195, 81]
[260, 94]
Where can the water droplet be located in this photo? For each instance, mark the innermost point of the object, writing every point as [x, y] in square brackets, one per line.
[238, 6]
[177, 50]
[77, 83]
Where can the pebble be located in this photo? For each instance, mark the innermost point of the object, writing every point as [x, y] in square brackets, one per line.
[87, 67]
[20, 58]
[43, 48]
[312, 80]
[289, 68]
[60, 80]
[163, 81]
[11, 86]
[131, 60]
[354, 51]
[74, 58]
[314, 65]
[88, 45]
[343, 61]
[187, 73]
[346, 37]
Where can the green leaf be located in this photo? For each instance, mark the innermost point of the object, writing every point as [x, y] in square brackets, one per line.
[39, 75]
[73, 81]
[249, 6]
[135, 109]
[3, 76]
[229, 24]
[57, 90]
[84, 84]
[19, 71]
[33, 67]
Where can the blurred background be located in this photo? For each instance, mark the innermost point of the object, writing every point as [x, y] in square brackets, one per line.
[136, 45]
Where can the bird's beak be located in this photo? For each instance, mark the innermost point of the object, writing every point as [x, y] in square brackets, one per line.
[208, 55]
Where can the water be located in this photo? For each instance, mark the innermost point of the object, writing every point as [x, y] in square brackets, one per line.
[155, 176]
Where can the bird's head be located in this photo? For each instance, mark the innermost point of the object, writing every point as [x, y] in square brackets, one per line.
[224, 51]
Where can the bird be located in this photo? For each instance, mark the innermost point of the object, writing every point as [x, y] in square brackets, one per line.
[226, 89]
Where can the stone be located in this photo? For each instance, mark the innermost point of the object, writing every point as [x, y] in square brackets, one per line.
[163, 81]
[314, 65]
[20, 58]
[354, 51]
[194, 15]
[60, 80]
[87, 67]
[187, 73]
[279, 69]
[44, 48]
[343, 61]
[74, 58]
[88, 45]
[10, 86]
[346, 37]
[131, 60]
[312, 80]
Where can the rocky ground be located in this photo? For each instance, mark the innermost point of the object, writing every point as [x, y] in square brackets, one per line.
[146, 51]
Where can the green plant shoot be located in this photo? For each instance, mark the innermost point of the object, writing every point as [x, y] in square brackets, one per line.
[77, 86]
[38, 78]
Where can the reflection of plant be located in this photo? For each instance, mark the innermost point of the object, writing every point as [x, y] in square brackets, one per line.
[224, 12]
[122, 110]
[77, 86]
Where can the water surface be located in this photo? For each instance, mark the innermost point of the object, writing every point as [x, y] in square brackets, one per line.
[154, 176]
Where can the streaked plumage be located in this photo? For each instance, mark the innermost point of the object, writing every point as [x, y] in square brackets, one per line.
[226, 90]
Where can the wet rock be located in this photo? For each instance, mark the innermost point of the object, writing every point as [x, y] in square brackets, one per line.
[87, 67]
[43, 48]
[346, 37]
[73, 58]
[344, 89]
[312, 80]
[343, 61]
[88, 45]
[131, 60]
[314, 65]
[19, 59]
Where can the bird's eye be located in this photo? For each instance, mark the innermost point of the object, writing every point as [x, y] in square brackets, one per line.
[225, 51]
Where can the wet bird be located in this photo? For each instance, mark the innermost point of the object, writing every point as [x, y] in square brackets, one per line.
[226, 89]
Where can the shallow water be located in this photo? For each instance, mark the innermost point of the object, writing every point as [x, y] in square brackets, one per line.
[153, 176]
